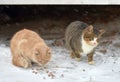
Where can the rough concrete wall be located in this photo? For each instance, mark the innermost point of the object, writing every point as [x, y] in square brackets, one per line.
[86, 13]
[51, 21]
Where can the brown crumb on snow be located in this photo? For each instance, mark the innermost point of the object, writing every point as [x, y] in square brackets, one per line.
[47, 71]
[112, 70]
[35, 72]
[114, 62]
[62, 75]
[56, 66]
[37, 69]
[44, 77]
[83, 69]
[50, 74]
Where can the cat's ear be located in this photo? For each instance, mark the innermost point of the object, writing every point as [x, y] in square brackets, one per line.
[36, 50]
[48, 49]
[102, 31]
[89, 28]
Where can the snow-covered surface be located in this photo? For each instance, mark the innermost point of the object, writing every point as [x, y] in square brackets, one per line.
[65, 69]
[60, 1]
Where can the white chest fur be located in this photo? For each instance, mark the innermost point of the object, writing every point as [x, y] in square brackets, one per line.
[86, 48]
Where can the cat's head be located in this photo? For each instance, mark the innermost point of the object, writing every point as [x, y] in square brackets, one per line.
[41, 54]
[91, 36]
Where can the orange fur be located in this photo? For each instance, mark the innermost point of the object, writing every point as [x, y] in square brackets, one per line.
[27, 47]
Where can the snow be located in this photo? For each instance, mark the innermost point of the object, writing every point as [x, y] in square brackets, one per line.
[59, 2]
[65, 69]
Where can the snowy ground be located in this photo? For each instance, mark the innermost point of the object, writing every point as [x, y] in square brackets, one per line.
[62, 68]
[60, 2]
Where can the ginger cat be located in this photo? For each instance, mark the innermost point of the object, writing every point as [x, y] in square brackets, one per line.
[81, 39]
[27, 47]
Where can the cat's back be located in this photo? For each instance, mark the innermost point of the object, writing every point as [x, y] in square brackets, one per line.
[20, 34]
[73, 35]
[25, 34]
[76, 25]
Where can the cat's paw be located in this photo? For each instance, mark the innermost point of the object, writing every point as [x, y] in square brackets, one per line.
[72, 55]
[26, 65]
[91, 62]
[78, 59]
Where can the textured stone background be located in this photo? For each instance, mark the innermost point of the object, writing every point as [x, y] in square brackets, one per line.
[50, 21]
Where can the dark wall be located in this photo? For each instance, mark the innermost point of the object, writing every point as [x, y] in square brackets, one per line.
[87, 13]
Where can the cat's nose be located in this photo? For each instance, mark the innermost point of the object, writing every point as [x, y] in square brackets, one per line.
[94, 43]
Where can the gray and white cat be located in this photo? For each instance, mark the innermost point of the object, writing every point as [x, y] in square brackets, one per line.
[82, 39]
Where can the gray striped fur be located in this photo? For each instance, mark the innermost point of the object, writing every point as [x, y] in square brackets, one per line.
[73, 36]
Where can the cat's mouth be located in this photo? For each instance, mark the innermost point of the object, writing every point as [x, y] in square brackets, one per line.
[94, 44]
[91, 43]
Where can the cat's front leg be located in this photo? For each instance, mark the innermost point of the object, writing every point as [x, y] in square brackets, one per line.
[21, 62]
[90, 58]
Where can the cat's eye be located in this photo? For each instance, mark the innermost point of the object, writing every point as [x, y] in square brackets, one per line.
[49, 53]
[87, 39]
[90, 39]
